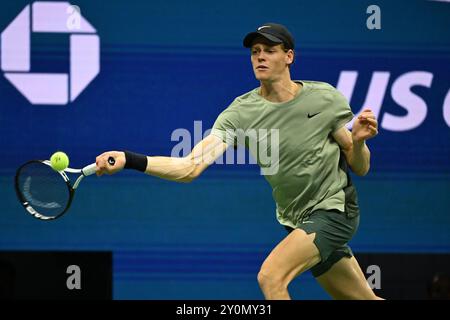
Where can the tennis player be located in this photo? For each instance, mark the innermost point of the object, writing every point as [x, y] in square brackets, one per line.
[315, 198]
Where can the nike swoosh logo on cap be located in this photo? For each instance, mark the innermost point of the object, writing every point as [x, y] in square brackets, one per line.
[262, 27]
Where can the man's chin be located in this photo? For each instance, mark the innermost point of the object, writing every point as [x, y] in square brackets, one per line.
[261, 77]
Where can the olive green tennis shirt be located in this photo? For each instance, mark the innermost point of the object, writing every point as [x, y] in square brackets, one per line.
[293, 145]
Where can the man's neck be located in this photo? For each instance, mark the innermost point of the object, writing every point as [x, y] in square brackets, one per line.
[283, 90]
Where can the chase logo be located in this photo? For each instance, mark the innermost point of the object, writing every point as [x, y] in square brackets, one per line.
[50, 88]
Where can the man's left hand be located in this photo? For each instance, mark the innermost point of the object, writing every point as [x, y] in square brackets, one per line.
[365, 126]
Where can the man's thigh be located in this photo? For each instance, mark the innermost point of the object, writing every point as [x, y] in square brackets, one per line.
[345, 280]
[295, 254]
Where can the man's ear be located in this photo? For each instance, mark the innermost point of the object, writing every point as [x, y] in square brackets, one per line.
[290, 56]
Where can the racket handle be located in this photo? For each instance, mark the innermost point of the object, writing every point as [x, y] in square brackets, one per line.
[90, 169]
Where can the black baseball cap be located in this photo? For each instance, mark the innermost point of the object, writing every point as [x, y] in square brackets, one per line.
[273, 32]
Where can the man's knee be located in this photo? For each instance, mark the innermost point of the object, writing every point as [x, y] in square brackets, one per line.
[270, 280]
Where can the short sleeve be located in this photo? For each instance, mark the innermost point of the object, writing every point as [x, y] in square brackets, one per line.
[225, 126]
[342, 111]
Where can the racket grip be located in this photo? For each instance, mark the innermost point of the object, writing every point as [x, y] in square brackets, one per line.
[90, 169]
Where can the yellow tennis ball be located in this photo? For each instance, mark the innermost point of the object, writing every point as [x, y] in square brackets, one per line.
[59, 161]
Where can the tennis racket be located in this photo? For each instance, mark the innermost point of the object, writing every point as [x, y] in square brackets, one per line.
[47, 194]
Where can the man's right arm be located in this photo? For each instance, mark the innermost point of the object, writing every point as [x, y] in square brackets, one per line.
[187, 168]
[183, 169]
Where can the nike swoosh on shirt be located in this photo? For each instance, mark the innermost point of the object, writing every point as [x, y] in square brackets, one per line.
[312, 115]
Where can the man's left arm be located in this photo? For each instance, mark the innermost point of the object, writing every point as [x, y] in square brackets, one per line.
[353, 144]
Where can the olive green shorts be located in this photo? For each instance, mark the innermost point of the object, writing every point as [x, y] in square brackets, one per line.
[333, 231]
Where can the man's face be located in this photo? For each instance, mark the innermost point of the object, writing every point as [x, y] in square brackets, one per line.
[269, 61]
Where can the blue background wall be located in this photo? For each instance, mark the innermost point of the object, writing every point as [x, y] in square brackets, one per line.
[165, 65]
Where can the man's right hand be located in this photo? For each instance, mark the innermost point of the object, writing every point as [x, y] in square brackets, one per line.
[103, 166]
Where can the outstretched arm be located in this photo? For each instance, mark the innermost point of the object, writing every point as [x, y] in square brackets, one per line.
[183, 169]
[353, 144]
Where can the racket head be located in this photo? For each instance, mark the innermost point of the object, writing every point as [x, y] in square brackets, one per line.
[46, 194]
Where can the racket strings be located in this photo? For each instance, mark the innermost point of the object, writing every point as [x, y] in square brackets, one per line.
[44, 189]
